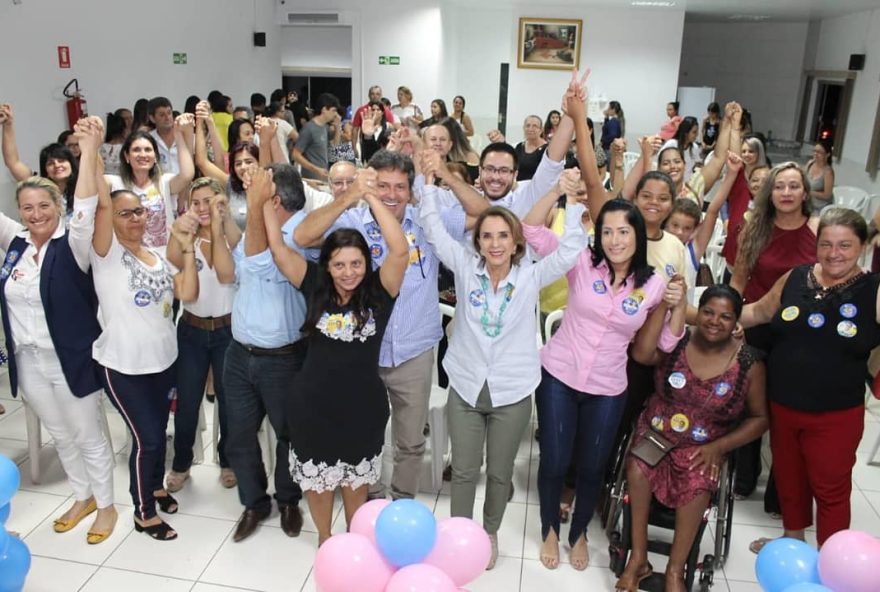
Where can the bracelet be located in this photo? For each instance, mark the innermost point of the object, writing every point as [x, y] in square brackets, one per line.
[185, 251]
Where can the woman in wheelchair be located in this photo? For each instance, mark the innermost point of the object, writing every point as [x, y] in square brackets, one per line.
[709, 399]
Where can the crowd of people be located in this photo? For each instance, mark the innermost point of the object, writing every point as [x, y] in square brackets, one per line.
[285, 260]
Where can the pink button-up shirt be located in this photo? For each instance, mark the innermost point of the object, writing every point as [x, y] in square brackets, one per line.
[588, 353]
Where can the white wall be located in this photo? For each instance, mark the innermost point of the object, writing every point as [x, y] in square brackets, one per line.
[121, 51]
[631, 62]
[757, 64]
[838, 38]
[313, 48]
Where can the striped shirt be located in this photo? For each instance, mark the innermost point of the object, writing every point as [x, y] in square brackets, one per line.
[414, 326]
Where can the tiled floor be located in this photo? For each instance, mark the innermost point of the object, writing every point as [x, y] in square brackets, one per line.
[204, 558]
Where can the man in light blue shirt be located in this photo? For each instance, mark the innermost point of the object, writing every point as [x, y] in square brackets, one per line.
[262, 361]
[406, 358]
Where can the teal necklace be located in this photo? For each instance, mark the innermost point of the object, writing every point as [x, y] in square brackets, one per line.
[484, 319]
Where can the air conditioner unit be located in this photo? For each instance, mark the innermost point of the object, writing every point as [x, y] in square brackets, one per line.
[312, 18]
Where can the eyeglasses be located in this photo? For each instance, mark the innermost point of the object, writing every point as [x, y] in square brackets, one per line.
[339, 183]
[503, 171]
[129, 213]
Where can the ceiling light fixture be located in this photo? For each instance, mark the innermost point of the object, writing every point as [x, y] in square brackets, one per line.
[655, 3]
[748, 17]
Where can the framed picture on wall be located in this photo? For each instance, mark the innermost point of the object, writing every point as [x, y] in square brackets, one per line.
[550, 44]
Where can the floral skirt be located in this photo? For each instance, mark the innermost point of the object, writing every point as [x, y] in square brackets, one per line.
[319, 476]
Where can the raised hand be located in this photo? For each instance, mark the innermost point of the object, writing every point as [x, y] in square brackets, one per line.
[368, 126]
[570, 182]
[260, 188]
[185, 228]
[219, 208]
[364, 185]
[5, 113]
[495, 136]
[433, 166]
[185, 122]
[203, 111]
[266, 126]
[675, 293]
[734, 162]
[618, 147]
[90, 132]
[576, 93]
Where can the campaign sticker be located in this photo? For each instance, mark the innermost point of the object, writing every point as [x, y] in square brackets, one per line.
[722, 388]
[630, 306]
[373, 232]
[847, 329]
[699, 434]
[670, 269]
[142, 298]
[677, 380]
[599, 287]
[816, 320]
[376, 250]
[790, 313]
[848, 310]
[679, 422]
[477, 297]
[657, 423]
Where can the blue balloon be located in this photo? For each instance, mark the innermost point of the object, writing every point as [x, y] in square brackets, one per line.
[4, 513]
[10, 479]
[405, 532]
[4, 540]
[14, 566]
[784, 562]
[807, 587]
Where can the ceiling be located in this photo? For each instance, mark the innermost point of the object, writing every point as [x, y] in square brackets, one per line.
[723, 10]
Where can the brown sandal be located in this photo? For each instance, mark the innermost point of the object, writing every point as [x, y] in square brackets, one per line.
[631, 584]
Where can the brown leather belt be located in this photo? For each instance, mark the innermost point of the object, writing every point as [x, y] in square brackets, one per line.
[206, 323]
[284, 350]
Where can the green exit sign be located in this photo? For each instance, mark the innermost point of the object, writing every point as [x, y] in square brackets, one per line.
[389, 60]
[179, 58]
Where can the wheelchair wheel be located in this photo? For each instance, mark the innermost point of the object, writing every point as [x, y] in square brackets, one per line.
[614, 487]
[724, 515]
[617, 553]
[707, 573]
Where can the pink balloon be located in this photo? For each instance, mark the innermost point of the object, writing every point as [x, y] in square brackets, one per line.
[349, 561]
[462, 549]
[848, 562]
[364, 520]
[420, 577]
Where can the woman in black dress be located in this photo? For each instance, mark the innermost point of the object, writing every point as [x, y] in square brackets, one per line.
[339, 406]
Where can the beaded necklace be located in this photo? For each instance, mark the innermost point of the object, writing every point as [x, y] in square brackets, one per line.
[484, 319]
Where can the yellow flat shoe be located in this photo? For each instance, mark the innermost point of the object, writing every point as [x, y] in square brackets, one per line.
[65, 525]
[93, 537]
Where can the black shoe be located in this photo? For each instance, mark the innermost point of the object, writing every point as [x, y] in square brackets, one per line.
[291, 520]
[167, 503]
[248, 523]
[447, 473]
[160, 532]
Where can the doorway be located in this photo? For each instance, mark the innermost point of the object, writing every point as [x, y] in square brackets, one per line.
[827, 111]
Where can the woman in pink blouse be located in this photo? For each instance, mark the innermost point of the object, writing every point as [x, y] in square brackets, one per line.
[612, 290]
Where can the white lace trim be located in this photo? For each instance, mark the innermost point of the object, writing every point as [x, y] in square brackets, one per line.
[323, 477]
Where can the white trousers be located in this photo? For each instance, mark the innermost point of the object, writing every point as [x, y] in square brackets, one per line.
[73, 422]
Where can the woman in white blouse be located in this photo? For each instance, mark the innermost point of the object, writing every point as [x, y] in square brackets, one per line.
[492, 361]
[137, 347]
[50, 321]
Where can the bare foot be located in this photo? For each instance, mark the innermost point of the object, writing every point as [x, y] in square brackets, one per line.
[674, 579]
[322, 538]
[635, 571]
[550, 550]
[75, 511]
[580, 554]
[105, 519]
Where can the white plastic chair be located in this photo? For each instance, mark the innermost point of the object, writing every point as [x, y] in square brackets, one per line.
[35, 436]
[853, 198]
[629, 161]
[552, 319]
[439, 434]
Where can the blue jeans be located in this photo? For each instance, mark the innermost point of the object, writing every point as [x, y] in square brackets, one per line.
[571, 420]
[198, 350]
[256, 386]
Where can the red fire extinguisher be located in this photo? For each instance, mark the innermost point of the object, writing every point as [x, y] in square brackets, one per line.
[76, 103]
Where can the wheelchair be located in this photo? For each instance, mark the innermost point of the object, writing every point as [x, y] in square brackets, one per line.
[616, 516]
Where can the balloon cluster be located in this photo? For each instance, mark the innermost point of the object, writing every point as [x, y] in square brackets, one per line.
[399, 547]
[845, 564]
[15, 558]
